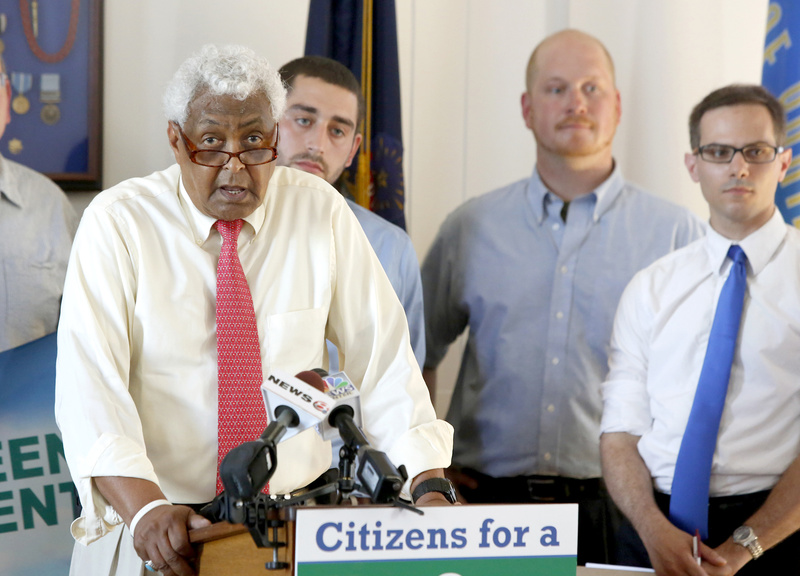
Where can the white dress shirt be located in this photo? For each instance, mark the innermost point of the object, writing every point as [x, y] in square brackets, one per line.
[136, 390]
[658, 347]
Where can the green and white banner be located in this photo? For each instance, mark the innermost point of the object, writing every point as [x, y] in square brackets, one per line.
[35, 486]
[472, 540]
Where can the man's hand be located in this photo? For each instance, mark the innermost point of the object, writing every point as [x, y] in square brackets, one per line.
[459, 480]
[162, 537]
[161, 534]
[735, 555]
[629, 482]
[670, 551]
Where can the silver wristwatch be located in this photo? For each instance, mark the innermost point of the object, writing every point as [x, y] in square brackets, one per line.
[746, 536]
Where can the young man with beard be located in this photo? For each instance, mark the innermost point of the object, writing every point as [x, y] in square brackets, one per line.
[321, 135]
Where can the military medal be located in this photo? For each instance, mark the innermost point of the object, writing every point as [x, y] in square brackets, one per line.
[2, 29]
[22, 82]
[15, 145]
[50, 114]
[50, 95]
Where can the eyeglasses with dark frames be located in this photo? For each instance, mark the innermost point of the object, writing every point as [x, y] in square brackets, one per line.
[219, 158]
[752, 153]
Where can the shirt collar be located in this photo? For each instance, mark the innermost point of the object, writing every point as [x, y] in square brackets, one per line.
[604, 195]
[202, 224]
[8, 187]
[759, 247]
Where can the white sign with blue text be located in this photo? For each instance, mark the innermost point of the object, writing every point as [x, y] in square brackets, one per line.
[456, 539]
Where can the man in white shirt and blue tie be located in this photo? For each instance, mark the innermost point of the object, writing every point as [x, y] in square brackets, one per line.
[655, 396]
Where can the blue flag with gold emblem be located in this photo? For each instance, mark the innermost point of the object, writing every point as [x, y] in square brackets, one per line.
[781, 76]
[362, 35]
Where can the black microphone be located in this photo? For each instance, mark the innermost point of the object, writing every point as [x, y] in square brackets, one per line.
[377, 475]
[247, 468]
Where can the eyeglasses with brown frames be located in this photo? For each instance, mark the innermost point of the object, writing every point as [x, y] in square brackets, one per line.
[218, 158]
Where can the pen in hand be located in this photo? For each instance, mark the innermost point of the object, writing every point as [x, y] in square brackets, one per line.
[696, 547]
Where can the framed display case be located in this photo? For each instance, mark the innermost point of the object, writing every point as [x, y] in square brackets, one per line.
[53, 55]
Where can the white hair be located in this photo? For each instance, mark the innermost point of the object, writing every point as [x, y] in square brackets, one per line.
[226, 70]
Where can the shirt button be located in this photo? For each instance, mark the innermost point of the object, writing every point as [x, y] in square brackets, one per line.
[563, 269]
[547, 456]
[559, 315]
[551, 408]
[555, 361]
[556, 226]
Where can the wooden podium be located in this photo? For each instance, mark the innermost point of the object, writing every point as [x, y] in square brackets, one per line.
[229, 548]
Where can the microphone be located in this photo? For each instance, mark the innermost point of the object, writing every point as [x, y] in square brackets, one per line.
[247, 468]
[312, 398]
[377, 474]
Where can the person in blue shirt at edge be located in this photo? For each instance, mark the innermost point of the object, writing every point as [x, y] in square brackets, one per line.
[320, 134]
[534, 271]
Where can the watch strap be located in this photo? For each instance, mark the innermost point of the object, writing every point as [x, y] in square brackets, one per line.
[441, 485]
[755, 548]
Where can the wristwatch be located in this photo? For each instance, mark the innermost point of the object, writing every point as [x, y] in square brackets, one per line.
[441, 485]
[746, 536]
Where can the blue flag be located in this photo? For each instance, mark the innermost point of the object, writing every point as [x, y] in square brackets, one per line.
[781, 76]
[336, 30]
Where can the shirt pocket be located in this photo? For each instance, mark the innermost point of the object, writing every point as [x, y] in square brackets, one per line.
[31, 301]
[296, 340]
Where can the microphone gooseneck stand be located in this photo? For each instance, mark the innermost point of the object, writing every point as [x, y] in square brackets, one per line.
[246, 470]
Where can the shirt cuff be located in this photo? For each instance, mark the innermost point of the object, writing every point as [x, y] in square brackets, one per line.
[111, 455]
[625, 408]
[424, 447]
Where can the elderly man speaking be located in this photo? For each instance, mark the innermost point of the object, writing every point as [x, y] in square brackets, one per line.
[184, 290]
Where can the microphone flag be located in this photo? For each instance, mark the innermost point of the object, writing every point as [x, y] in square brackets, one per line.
[312, 402]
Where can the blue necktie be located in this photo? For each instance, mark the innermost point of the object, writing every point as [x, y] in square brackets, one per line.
[688, 508]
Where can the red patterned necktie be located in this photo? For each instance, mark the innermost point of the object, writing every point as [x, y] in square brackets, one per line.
[242, 417]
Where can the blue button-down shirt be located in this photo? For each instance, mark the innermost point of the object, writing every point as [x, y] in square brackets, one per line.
[538, 296]
[399, 260]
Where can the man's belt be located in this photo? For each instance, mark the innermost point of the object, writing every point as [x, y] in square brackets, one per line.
[557, 488]
[540, 488]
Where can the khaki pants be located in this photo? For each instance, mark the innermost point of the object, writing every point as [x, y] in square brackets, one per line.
[111, 555]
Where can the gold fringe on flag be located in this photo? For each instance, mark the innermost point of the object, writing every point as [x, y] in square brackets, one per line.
[363, 174]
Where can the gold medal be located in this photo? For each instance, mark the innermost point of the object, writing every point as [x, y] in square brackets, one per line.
[15, 145]
[21, 82]
[50, 114]
[20, 104]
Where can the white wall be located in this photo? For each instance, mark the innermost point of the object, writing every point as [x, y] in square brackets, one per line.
[462, 74]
